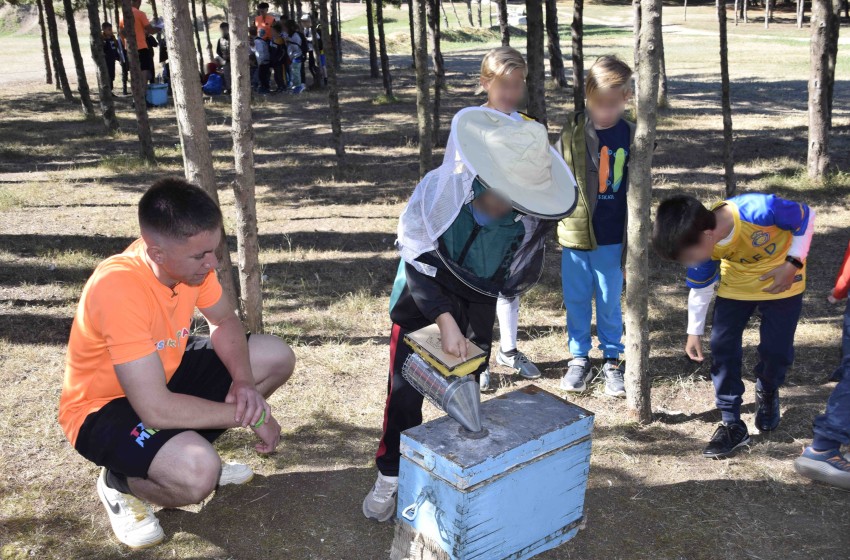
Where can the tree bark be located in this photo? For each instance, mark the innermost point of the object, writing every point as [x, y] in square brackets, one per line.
[374, 69]
[336, 23]
[577, 29]
[56, 52]
[457, 16]
[438, 63]
[191, 119]
[105, 11]
[82, 82]
[636, 17]
[832, 53]
[48, 72]
[199, 57]
[423, 101]
[333, 89]
[153, 9]
[107, 107]
[478, 6]
[728, 152]
[138, 84]
[639, 203]
[382, 48]
[469, 12]
[412, 33]
[242, 131]
[503, 23]
[819, 88]
[556, 59]
[535, 56]
[210, 54]
[445, 14]
[662, 68]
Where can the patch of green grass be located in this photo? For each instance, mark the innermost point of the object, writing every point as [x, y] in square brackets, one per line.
[385, 99]
[124, 162]
[9, 199]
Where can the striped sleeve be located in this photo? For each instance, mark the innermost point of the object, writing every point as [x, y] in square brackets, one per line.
[703, 275]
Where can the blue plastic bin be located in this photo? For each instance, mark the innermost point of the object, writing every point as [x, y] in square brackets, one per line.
[157, 94]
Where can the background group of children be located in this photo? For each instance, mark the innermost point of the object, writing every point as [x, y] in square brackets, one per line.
[281, 50]
[753, 246]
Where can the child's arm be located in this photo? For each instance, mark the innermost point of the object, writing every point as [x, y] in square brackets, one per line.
[428, 295]
[799, 219]
[702, 281]
[842, 283]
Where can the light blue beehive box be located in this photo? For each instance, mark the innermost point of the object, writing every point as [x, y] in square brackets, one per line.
[513, 494]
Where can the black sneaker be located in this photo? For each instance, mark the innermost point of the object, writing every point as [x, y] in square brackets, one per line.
[767, 410]
[727, 438]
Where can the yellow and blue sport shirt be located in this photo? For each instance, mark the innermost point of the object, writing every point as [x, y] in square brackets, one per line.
[765, 226]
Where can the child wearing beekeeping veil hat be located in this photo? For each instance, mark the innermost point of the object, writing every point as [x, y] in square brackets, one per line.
[473, 229]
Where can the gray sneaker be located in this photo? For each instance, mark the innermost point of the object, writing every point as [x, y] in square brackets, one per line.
[484, 381]
[614, 384]
[577, 376]
[520, 363]
[379, 504]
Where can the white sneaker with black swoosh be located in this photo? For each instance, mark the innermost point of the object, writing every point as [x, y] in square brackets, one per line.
[133, 521]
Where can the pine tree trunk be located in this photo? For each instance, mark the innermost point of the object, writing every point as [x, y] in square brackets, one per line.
[153, 9]
[535, 56]
[457, 16]
[107, 107]
[333, 88]
[338, 5]
[412, 33]
[199, 57]
[438, 63]
[445, 15]
[191, 119]
[423, 98]
[382, 49]
[504, 29]
[210, 54]
[469, 12]
[48, 72]
[334, 34]
[374, 69]
[819, 88]
[82, 82]
[480, 21]
[556, 59]
[638, 384]
[105, 11]
[577, 29]
[832, 54]
[766, 14]
[728, 153]
[242, 131]
[138, 84]
[636, 17]
[746, 11]
[58, 64]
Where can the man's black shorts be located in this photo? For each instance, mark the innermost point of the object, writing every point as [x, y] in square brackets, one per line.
[114, 436]
[146, 59]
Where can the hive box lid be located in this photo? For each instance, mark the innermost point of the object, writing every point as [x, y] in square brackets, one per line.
[522, 425]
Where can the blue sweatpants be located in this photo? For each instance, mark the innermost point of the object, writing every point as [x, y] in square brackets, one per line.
[833, 428]
[776, 347]
[583, 275]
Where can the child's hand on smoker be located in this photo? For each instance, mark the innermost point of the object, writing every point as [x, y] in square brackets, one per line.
[693, 347]
[452, 339]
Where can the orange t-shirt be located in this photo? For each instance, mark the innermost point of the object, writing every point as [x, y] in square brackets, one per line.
[264, 22]
[124, 314]
[140, 23]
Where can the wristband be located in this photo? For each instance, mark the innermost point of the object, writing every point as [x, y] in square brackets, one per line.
[795, 261]
[261, 421]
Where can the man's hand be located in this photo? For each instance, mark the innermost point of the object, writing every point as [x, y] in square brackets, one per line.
[832, 299]
[693, 347]
[783, 278]
[249, 403]
[269, 434]
[452, 339]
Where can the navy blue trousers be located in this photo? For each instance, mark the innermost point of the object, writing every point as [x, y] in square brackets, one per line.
[833, 428]
[776, 347]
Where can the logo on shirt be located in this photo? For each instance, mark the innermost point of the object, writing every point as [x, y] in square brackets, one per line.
[141, 434]
[760, 238]
[611, 166]
[172, 342]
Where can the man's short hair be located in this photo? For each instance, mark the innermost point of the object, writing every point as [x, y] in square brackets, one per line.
[679, 222]
[263, 6]
[177, 209]
[106, 25]
[224, 25]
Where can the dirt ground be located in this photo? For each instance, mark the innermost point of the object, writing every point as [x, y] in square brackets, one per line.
[67, 200]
